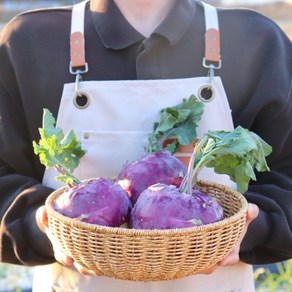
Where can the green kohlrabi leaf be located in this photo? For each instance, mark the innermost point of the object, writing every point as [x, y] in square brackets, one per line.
[178, 123]
[237, 153]
[59, 151]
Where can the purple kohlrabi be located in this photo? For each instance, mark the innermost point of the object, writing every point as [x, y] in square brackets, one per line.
[157, 167]
[208, 207]
[98, 201]
[165, 207]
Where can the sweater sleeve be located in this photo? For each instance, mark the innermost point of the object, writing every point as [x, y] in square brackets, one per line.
[21, 193]
[269, 113]
[21, 241]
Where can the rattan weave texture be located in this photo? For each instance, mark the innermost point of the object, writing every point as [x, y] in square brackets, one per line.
[151, 255]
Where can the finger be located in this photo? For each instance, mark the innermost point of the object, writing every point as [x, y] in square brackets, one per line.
[231, 259]
[42, 218]
[209, 271]
[85, 271]
[252, 212]
[42, 221]
[63, 259]
[58, 253]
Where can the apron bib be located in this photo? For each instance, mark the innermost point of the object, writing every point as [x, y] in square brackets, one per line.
[113, 119]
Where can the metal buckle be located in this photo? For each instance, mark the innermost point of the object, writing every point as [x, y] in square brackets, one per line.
[211, 67]
[78, 77]
[207, 64]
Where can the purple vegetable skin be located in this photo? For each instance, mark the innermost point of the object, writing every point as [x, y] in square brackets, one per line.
[208, 207]
[157, 167]
[99, 201]
[164, 207]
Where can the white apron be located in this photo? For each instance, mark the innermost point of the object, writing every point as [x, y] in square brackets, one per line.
[113, 127]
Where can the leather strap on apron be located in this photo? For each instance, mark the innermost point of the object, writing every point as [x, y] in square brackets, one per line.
[77, 43]
[113, 132]
[212, 35]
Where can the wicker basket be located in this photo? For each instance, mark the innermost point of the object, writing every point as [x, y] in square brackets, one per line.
[151, 255]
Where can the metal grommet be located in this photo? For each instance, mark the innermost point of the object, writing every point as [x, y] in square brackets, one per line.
[81, 100]
[206, 93]
[86, 136]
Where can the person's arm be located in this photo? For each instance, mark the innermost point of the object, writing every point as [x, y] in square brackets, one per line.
[21, 193]
[21, 240]
[268, 112]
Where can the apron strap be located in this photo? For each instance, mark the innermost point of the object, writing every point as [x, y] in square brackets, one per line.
[211, 60]
[77, 45]
[78, 65]
[212, 38]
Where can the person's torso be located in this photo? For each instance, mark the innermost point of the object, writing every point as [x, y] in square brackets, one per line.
[113, 125]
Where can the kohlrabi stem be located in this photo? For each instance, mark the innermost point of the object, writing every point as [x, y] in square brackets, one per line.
[194, 168]
[187, 183]
[164, 137]
[64, 171]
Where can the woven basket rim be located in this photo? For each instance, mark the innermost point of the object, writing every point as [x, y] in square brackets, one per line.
[73, 222]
